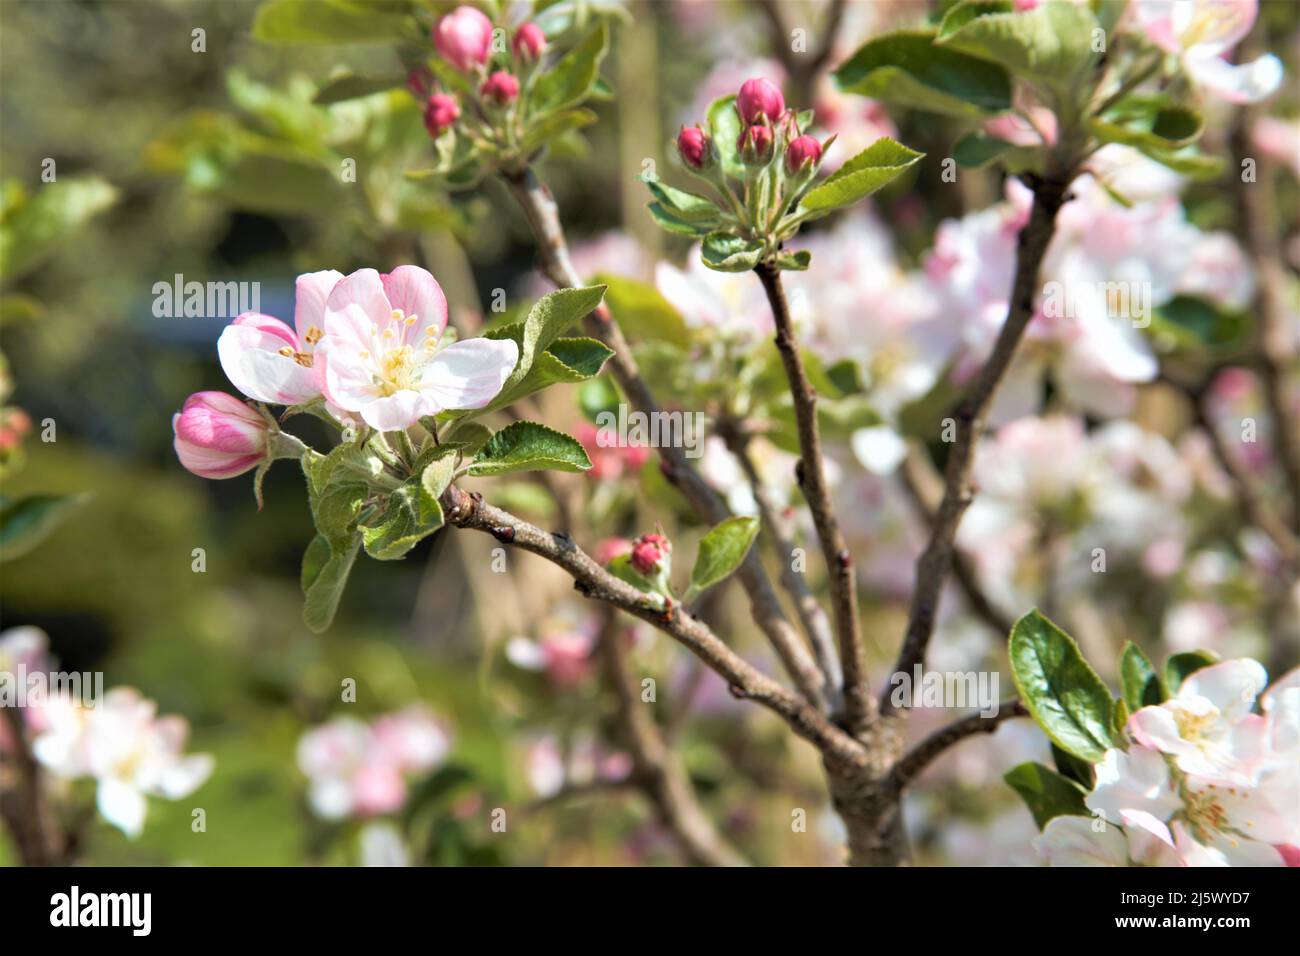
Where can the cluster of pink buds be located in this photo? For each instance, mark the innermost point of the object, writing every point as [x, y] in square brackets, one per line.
[650, 555]
[463, 38]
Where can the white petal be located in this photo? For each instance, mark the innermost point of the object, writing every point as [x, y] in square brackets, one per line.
[399, 410]
[121, 805]
[879, 448]
[1237, 83]
[469, 374]
[185, 776]
[311, 291]
[251, 360]
[1072, 841]
[1231, 686]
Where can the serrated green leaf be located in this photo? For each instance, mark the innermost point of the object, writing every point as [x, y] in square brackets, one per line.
[1062, 693]
[725, 252]
[724, 130]
[410, 514]
[549, 317]
[670, 222]
[1046, 792]
[1051, 43]
[325, 570]
[570, 80]
[565, 362]
[876, 166]
[529, 446]
[26, 522]
[908, 69]
[722, 550]
[1138, 679]
[682, 204]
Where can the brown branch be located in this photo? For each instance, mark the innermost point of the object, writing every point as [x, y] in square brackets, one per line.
[909, 767]
[802, 69]
[915, 480]
[810, 612]
[656, 769]
[972, 414]
[464, 510]
[21, 804]
[539, 208]
[858, 708]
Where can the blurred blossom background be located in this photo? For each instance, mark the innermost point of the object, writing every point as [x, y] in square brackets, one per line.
[446, 692]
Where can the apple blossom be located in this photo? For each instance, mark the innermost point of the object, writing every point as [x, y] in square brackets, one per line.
[529, 42]
[440, 113]
[564, 656]
[218, 436]
[1202, 33]
[803, 152]
[759, 97]
[383, 357]
[130, 751]
[270, 362]
[464, 38]
[694, 147]
[650, 554]
[501, 88]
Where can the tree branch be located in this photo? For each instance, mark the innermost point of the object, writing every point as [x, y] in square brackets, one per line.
[972, 414]
[464, 510]
[811, 473]
[656, 769]
[21, 804]
[543, 217]
[911, 764]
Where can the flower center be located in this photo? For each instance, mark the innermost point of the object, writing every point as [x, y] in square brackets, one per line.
[398, 370]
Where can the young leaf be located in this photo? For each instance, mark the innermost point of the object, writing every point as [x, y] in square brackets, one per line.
[570, 80]
[1072, 768]
[1062, 693]
[907, 68]
[325, 569]
[794, 261]
[669, 221]
[1138, 679]
[314, 21]
[724, 252]
[550, 316]
[876, 166]
[722, 550]
[26, 522]
[351, 86]
[724, 130]
[1179, 667]
[1046, 792]
[1051, 43]
[553, 126]
[565, 362]
[409, 516]
[529, 446]
[681, 204]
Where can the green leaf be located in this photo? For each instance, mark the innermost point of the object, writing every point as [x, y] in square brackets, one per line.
[669, 221]
[960, 14]
[571, 79]
[1149, 121]
[1072, 768]
[337, 488]
[724, 130]
[1051, 43]
[565, 362]
[907, 68]
[621, 567]
[794, 261]
[1195, 324]
[325, 570]
[1179, 667]
[1119, 715]
[1062, 693]
[877, 165]
[351, 86]
[722, 550]
[976, 150]
[642, 312]
[1046, 792]
[438, 473]
[552, 126]
[529, 446]
[409, 516]
[329, 21]
[471, 436]
[549, 317]
[724, 252]
[681, 204]
[28, 521]
[33, 228]
[1138, 679]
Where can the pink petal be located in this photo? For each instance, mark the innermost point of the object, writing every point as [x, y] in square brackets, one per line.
[469, 374]
[311, 291]
[416, 292]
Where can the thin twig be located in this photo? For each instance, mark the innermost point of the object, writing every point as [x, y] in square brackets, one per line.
[972, 414]
[811, 473]
[539, 208]
[464, 510]
[919, 757]
[656, 769]
[21, 803]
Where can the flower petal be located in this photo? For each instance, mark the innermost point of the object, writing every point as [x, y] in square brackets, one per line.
[416, 292]
[399, 410]
[121, 805]
[1236, 83]
[469, 374]
[311, 292]
[250, 357]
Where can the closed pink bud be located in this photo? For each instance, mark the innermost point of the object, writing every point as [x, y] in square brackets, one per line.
[801, 152]
[464, 38]
[755, 145]
[649, 553]
[500, 88]
[693, 145]
[529, 43]
[440, 112]
[760, 97]
[218, 436]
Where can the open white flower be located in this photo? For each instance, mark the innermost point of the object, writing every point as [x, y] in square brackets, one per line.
[1201, 33]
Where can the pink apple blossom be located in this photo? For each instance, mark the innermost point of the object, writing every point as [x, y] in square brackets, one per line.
[270, 362]
[501, 88]
[529, 42]
[440, 113]
[383, 357]
[464, 38]
[1202, 33]
[218, 436]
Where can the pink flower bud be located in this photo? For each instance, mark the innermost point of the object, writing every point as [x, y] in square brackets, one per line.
[803, 151]
[420, 81]
[755, 144]
[500, 88]
[759, 97]
[529, 43]
[649, 552]
[611, 548]
[440, 112]
[464, 38]
[694, 147]
[218, 436]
